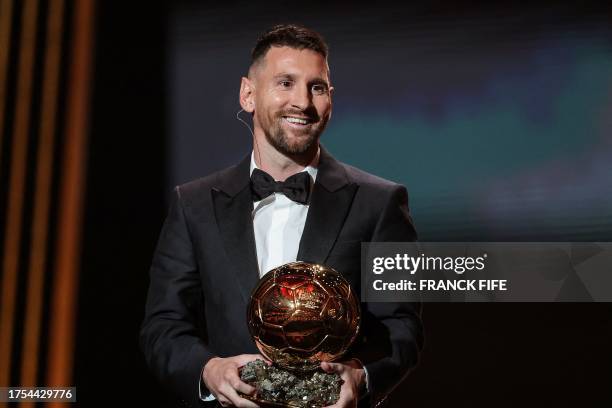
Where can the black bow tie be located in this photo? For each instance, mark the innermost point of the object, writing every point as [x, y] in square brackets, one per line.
[296, 187]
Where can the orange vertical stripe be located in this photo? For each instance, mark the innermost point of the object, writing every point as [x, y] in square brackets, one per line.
[6, 19]
[63, 307]
[42, 200]
[17, 186]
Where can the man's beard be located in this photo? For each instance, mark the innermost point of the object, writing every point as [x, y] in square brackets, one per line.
[277, 137]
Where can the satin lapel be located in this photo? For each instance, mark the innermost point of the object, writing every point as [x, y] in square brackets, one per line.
[233, 207]
[331, 200]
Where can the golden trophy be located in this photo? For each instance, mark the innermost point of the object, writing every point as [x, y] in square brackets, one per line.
[300, 315]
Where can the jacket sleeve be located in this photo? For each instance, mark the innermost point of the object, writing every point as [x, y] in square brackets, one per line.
[396, 334]
[170, 336]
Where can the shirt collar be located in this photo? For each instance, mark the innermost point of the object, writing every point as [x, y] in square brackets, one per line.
[312, 168]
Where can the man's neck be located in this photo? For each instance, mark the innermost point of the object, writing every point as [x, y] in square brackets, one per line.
[281, 166]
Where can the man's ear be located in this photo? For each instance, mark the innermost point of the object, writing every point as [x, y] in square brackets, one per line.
[247, 95]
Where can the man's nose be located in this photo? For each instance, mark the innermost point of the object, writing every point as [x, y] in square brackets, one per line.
[301, 97]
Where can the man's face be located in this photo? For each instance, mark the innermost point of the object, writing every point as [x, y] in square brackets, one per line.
[292, 98]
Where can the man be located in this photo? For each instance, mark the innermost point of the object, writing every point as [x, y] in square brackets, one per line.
[289, 200]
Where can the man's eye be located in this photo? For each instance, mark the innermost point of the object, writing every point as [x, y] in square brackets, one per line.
[285, 84]
[319, 89]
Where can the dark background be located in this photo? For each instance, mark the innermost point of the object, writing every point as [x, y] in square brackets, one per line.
[476, 355]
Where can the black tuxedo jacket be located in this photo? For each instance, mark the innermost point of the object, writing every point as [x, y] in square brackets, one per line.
[205, 267]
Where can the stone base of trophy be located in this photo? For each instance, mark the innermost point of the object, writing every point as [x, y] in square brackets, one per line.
[276, 387]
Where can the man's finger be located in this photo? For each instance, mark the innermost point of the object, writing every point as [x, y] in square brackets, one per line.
[341, 403]
[237, 400]
[332, 367]
[224, 402]
[243, 387]
[238, 385]
[346, 397]
[246, 358]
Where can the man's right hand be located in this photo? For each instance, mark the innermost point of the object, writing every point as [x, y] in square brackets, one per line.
[220, 376]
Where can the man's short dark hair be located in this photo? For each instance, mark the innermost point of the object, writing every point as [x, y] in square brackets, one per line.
[289, 35]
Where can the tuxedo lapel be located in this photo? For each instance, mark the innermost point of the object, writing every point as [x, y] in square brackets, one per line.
[331, 200]
[332, 196]
[233, 211]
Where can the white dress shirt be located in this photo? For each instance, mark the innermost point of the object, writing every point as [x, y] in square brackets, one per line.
[278, 223]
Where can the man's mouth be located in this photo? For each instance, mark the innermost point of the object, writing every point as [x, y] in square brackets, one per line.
[297, 121]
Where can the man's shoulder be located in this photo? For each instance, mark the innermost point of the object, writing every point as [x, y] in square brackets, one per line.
[195, 188]
[369, 180]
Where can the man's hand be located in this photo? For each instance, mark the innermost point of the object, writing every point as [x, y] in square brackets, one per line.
[354, 378]
[220, 375]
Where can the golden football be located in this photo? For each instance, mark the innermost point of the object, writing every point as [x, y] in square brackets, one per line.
[301, 314]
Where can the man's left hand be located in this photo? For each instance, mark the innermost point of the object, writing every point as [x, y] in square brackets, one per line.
[354, 385]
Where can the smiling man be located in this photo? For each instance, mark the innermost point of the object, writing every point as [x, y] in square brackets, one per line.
[291, 89]
[288, 200]
[294, 98]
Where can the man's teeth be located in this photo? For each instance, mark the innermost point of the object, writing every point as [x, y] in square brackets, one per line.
[296, 120]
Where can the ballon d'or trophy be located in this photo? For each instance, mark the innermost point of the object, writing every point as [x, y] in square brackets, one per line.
[300, 314]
